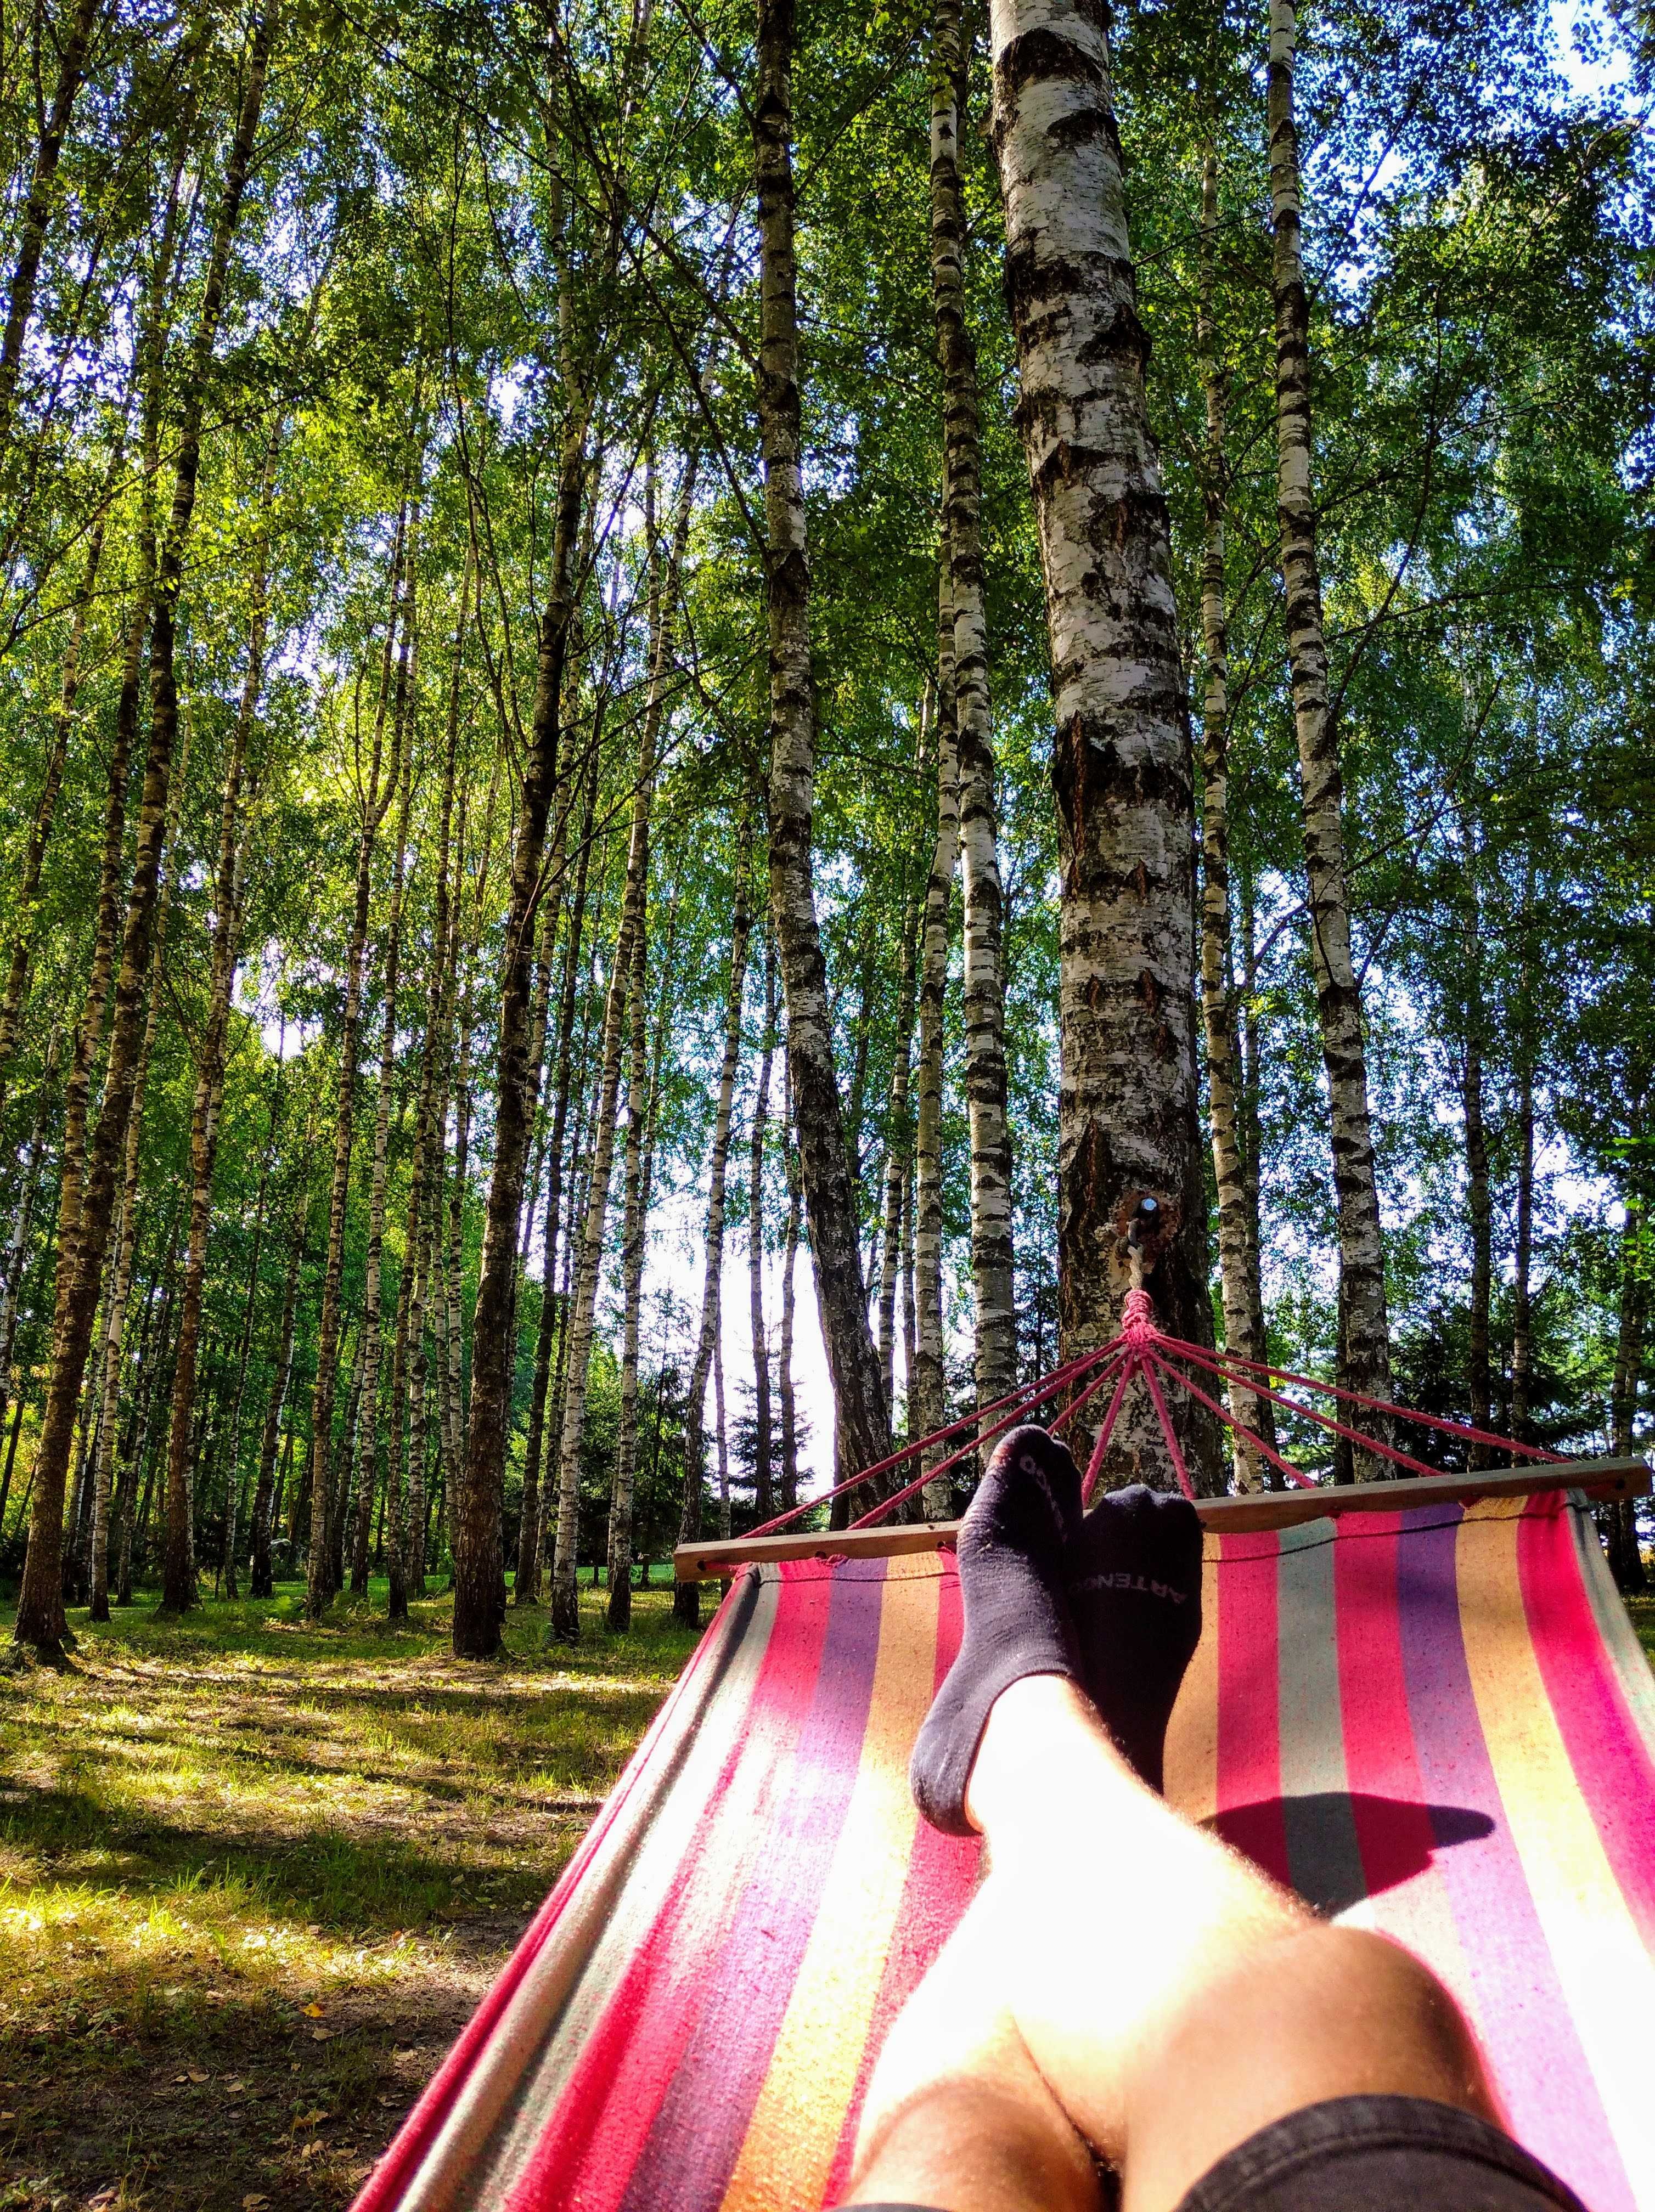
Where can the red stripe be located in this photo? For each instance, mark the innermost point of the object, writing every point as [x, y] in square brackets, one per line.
[586, 2153]
[1393, 1832]
[414, 2139]
[942, 1873]
[1250, 1813]
[1605, 1747]
[747, 1981]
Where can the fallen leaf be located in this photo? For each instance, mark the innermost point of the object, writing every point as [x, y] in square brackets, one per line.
[234, 2088]
[12, 2116]
[197, 2076]
[313, 1928]
[311, 2150]
[312, 2012]
[384, 2100]
[180, 2077]
[253, 2203]
[322, 2035]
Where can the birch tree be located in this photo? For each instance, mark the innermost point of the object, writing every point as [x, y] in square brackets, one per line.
[1120, 766]
[824, 1161]
[985, 988]
[1364, 1326]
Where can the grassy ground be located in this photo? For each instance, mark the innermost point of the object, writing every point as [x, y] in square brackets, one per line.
[1642, 1610]
[254, 1876]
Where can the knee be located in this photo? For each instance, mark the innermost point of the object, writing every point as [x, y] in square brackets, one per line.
[1335, 2012]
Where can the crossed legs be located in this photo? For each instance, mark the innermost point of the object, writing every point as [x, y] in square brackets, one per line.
[1125, 1984]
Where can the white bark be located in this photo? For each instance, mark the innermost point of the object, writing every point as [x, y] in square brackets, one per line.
[927, 1379]
[984, 979]
[1365, 1337]
[1121, 770]
[1249, 1411]
[824, 1158]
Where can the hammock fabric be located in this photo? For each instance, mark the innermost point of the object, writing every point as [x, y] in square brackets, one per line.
[1435, 1724]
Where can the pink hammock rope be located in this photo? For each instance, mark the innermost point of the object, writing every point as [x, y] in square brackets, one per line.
[1142, 1349]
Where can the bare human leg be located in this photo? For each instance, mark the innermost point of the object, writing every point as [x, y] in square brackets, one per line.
[1124, 1983]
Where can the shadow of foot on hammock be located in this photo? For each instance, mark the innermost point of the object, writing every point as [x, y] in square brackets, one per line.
[1335, 1847]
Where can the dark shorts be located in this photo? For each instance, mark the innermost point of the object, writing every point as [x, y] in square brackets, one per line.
[1372, 2154]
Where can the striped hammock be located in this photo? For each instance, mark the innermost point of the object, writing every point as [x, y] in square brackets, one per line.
[1436, 1723]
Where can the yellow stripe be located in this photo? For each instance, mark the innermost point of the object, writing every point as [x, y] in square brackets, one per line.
[1608, 1977]
[790, 2145]
[1192, 1734]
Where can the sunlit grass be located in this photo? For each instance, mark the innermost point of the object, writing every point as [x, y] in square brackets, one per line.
[251, 1866]
[1642, 1610]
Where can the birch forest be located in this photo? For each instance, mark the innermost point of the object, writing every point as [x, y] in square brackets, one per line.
[685, 689]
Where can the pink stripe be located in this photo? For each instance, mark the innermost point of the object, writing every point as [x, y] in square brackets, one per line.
[1517, 2003]
[586, 2151]
[1396, 1838]
[942, 1873]
[1605, 1747]
[1249, 1815]
[414, 2139]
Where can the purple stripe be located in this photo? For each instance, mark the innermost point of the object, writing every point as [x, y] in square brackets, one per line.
[697, 2132]
[1522, 2017]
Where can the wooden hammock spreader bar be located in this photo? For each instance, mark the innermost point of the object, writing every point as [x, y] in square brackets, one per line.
[1600, 1479]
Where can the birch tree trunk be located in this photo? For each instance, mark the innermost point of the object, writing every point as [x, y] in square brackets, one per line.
[79, 1083]
[762, 1498]
[897, 1159]
[1479, 1205]
[928, 1381]
[385, 777]
[249, 1323]
[565, 1624]
[374, 1286]
[149, 1399]
[565, 1610]
[178, 1587]
[526, 1585]
[1523, 1258]
[453, 1425]
[476, 1506]
[1127, 1125]
[121, 1286]
[985, 986]
[351, 1459]
[22, 1220]
[784, 1351]
[1625, 1560]
[632, 1238]
[825, 1161]
[909, 1316]
[721, 1437]
[565, 1616]
[23, 915]
[264, 1507]
[405, 1474]
[686, 1596]
[1364, 1336]
[1249, 1411]
[40, 1620]
[37, 208]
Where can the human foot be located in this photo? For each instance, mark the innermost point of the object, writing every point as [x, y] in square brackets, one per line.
[1132, 1578]
[1011, 1554]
